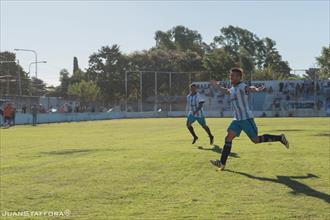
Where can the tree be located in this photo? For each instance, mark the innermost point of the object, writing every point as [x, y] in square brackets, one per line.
[164, 40]
[250, 52]
[77, 74]
[107, 68]
[15, 72]
[311, 74]
[272, 60]
[323, 61]
[54, 91]
[84, 91]
[38, 87]
[75, 65]
[234, 39]
[161, 60]
[263, 74]
[218, 62]
[180, 38]
[65, 82]
[179, 49]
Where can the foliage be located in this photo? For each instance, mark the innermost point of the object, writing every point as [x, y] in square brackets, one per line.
[84, 91]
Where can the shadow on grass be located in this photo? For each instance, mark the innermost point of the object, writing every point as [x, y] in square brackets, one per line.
[283, 130]
[218, 150]
[322, 134]
[74, 151]
[291, 182]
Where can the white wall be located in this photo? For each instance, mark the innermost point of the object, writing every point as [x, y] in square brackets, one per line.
[69, 117]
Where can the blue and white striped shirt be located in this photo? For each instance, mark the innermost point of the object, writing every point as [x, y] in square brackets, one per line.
[193, 101]
[239, 99]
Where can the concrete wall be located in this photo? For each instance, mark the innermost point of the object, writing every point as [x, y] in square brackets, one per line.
[69, 117]
[60, 117]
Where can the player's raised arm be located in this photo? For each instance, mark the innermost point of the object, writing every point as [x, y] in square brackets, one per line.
[255, 89]
[216, 85]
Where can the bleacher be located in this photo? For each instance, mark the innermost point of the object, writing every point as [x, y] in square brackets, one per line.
[278, 96]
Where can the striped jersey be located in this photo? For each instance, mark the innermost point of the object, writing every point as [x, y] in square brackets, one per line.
[239, 99]
[193, 101]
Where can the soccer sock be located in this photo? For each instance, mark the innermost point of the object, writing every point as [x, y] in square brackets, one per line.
[270, 138]
[225, 152]
[191, 129]
[208, 131]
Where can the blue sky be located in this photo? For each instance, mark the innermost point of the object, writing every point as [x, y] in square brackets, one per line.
[60, 30]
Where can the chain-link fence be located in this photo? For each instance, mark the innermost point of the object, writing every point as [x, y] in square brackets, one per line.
[161, 91]
[167, 91]
[158, 90]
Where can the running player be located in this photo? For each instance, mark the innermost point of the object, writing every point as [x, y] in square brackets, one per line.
[195, 108]
[243, 117]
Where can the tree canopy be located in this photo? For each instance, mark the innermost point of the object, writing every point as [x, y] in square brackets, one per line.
[179, 49]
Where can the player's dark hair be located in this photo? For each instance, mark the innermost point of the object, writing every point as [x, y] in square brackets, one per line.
[237, 70]
[193, 84]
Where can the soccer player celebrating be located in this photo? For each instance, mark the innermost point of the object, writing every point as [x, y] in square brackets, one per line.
[195, 107]
[243, 117]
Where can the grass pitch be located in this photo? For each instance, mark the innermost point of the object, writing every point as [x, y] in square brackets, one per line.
[148, 169]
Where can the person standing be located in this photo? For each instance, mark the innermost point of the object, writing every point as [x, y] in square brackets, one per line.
[24, 109]
[13, 116]
[34, 112]
[8, 113]
[1, 117]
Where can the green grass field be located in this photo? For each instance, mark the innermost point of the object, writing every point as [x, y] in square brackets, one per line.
[148, 169]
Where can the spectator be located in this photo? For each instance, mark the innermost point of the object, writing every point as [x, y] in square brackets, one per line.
[297, 89]
[42, 109]
[319, 104]
[270, 90]
[8, 113]
[65, 108]
[24, 108]
[34, 112]
[281, 86]
[318, 89]
[13, 117]
[1, 115]
[61, 110]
